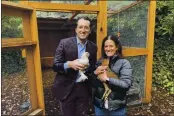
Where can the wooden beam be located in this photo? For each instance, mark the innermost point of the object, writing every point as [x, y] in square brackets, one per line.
[87, 2]
[36, 112]
[12, 40]
[24, 2]
[13, 5]
[8, 12]
[82, 12]
[150, 46]
[135, 51]
[77, 12]
[46, 6]
[8, 40]
[14, 9]
[47, 61]
[125, 8]
[27, 112]
[44, 58]
[101, 25]
[18, 44]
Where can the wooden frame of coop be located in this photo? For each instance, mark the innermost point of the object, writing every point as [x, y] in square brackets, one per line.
[30, 42]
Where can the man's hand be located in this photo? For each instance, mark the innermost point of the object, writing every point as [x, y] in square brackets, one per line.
[100, 70]
[75, 65]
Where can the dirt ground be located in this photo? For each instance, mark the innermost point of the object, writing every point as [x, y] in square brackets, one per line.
[162, 104]
[15, 98]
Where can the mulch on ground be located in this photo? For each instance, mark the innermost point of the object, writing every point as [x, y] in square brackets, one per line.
[162, 103]
[15, 98]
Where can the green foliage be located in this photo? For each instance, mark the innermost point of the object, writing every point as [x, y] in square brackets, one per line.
[163, 65]
[165, 18]
[11, 27]
[11, 61]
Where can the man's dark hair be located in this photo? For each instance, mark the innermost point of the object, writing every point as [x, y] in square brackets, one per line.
[85, 18]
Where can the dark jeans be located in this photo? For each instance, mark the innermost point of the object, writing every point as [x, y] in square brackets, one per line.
[77, 101]
[104, 112]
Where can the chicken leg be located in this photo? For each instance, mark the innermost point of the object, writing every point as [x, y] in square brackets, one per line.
[109, 74]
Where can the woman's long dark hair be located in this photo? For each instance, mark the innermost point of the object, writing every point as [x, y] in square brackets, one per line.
[117, 43]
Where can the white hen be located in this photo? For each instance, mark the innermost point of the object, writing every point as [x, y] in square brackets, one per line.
[85, 61]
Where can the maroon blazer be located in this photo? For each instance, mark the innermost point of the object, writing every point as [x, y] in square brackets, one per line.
[67, 51]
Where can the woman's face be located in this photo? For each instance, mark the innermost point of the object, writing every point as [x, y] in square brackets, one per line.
[110, 48]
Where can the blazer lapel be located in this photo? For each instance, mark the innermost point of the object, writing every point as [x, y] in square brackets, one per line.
[88, 49]
[74, 48]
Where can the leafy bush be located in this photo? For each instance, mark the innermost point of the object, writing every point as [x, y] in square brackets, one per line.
[12, 61]
[11, 27]
[163, 65]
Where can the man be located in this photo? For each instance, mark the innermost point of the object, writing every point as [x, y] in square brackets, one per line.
[74, 95]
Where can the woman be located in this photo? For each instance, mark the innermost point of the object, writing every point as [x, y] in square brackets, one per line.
[115, 104]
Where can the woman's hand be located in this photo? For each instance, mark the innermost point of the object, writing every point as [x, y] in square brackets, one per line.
[100, 69]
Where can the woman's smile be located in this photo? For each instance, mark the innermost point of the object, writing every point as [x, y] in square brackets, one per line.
[110, 48]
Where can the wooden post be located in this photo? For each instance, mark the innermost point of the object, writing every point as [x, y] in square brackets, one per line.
[101, 25]
[24, 2]
[31, 77]
[32, 23]
[150, 46]
[37, 61]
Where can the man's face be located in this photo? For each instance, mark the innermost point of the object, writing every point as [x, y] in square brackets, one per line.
[83, 29]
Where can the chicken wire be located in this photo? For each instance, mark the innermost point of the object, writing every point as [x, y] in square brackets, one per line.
[138, 65]
[132, 25]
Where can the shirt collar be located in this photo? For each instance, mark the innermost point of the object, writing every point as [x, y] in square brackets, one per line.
[78, 42]
[113, 57]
